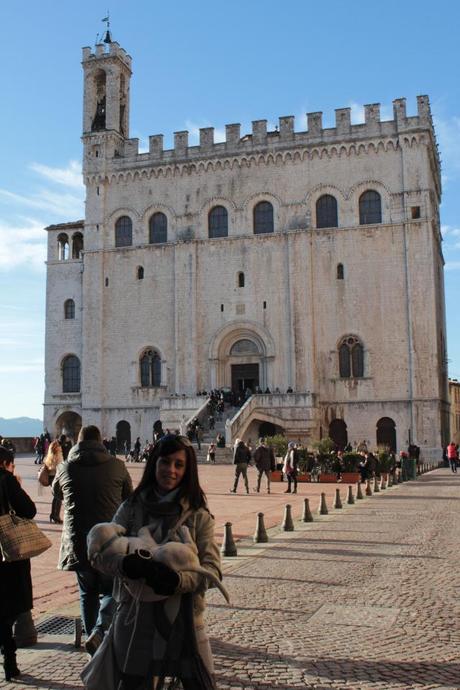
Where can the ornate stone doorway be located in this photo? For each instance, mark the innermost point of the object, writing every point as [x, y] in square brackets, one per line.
[68, 423]
[245, 377]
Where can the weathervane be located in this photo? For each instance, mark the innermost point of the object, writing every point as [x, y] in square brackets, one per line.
[108, 36]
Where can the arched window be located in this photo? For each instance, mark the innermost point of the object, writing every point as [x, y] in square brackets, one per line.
[263, 218]
[244, 347]
[351, 358]
[338, 433]
[71, 374]
[240, 279]
[63, 247]
[77, 245]
[150, 369]
[386, 433]
[69, 309]
[124, 232]
[340, 272]
[218, 222]
[140, 273]
[158, 228]
[370, 208]
[326, 212]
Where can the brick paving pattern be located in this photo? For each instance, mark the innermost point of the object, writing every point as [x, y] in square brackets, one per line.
[363, 598]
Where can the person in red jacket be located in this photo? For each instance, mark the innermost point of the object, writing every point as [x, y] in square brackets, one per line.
[452, 456]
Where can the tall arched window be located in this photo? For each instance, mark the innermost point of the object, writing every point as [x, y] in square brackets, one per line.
[124, 232]
[63, 247]
[71, 374]
[340, 272]
[158, 228]
[370, 208]
[77, 245]
[218, 222]
[240, 279]
[150, 369]
[263, 218]
[351, 358]
[140, 273]
[326, 212]
[69, 309]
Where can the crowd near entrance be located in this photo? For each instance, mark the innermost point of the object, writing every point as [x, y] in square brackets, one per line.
[245, 377]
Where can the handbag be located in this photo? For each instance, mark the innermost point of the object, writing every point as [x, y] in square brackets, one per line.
[20, 538]
[44, 476]
[102, 672]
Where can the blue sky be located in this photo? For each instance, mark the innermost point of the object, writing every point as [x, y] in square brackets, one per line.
[194, 65]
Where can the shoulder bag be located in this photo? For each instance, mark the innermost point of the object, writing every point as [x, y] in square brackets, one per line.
[20, 538]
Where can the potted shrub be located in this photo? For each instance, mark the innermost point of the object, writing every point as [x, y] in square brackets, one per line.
[326, 459]
[350, 462]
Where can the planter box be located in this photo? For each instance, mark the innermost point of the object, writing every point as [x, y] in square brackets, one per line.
[276, 475]
[350, 477]
[328, 478]
[305, 477]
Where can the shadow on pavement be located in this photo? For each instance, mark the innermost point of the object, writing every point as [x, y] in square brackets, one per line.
[421, 673]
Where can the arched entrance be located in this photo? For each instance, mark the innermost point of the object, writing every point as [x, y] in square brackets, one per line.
[245, 375]
[386, 433]
[338, 433]
[68, 423]
[267, 429]
[123, 435]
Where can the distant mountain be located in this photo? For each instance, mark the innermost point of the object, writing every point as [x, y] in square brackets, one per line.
[20, 426]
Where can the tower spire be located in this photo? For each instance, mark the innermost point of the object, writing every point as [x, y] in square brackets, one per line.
[108, 35]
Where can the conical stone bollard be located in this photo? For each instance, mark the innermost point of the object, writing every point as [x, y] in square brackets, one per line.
[376, 485]
[337, 500]
[390, 480]
[383, 483]
[368, 488]
[228, 547]
[322, 509]
[306, 515]
[350, 497]
[287, 524]
[260, 535]
[359, 491]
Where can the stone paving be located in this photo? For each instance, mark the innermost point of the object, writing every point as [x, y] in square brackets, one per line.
[363, 598]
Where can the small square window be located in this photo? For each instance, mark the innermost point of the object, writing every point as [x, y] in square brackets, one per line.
[415, 212]
[222, 307]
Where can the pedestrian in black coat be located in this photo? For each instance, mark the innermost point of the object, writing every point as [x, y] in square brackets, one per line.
[15, 579]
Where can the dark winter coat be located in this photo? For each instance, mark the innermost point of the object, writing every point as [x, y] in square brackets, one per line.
[92, 483]
[264, 458]
[241, 454]
[15, 580]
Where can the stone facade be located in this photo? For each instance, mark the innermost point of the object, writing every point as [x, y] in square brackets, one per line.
[454, 399]
[289, 295]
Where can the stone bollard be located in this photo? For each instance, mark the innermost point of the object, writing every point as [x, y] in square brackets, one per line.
[390, 480]
[376, 485]
[306, 515]
[399, 477]
[383, 483]
[359, 491]
[368, 488]
[322, 509]
[260, 535]
[228, 547]
[287, 524]
[337, 500]
[350, 497]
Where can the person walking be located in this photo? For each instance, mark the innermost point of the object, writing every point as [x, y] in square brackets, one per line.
[290, 468]
[92, 484]
[137, 449]
[159, 628]
[16, 582]
[452, 456]
[53, 458]
[211, 456]
[264, 460]
[241, 459]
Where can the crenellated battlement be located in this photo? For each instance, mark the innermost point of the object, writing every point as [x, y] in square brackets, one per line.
[284, 135]
[106, 50]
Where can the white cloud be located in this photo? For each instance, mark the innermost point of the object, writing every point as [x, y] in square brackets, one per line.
[22, 245]
[69, 177]
[448, 133]
[449, 231]
[18, 368]
[65, 206]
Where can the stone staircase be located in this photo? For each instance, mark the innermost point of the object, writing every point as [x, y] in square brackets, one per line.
[224, 456]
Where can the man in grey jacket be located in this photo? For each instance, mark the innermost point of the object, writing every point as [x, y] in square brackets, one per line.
[264, 460]
[92, 484]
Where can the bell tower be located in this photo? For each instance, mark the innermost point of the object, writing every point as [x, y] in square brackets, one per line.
[107, 74]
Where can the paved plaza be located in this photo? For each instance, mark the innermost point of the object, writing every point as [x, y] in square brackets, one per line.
[363, 598]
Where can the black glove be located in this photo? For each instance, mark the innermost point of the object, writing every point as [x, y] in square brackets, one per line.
[162, 579]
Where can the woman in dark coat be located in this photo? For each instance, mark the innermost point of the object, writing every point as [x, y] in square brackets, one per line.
[15, 579]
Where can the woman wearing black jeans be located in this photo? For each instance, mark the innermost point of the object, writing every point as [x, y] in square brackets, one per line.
[15, 579]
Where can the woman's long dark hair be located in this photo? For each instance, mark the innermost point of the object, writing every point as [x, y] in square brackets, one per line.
[190, 485]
